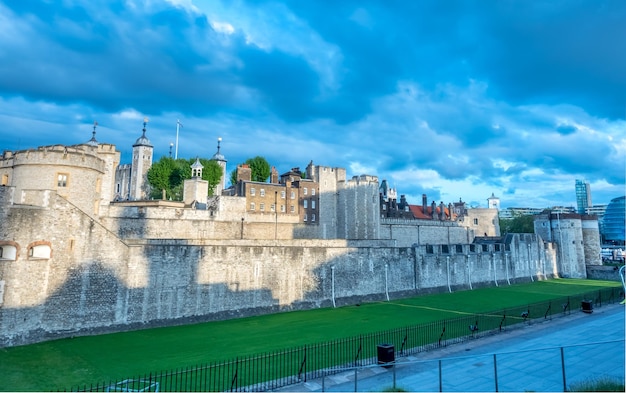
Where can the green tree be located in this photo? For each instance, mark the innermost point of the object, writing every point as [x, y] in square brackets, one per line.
[159, 176]
[233, 176]
[519, 224]
[212, 173]
[260, 168]
[167, 176]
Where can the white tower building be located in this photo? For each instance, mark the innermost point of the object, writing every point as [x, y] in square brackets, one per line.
[142, 161]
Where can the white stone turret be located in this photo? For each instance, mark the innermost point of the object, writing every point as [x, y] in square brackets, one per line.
[142, 161]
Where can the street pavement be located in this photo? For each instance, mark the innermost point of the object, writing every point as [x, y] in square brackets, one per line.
[543, 356]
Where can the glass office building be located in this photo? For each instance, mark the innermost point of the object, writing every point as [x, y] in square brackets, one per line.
[614, 221]
[583, 196]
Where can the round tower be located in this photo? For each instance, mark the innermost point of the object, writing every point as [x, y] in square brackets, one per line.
[142, 161]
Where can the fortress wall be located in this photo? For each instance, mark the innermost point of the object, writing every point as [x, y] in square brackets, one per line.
[410, 232]
[591, 241]
[97, 281]
[76, 288]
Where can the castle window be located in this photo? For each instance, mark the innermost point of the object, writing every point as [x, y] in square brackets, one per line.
[262, 207]
[472, 248]
[498, 247]
[39, 251]
[282, 194]
[313, 204]
[459, 249]
[262, 192]
[313, 217]
[252, 206]
[293, 209]
[384, 207]
[273, 207]
[305, 203]
[62, 179]
[304, 217]
[293, 195]
[476, 221]
[252, 191]
[8, 251]
[445, 249]
[485, 247]
[312, 191]
[304, 191]
[282, 208]
[429, 249]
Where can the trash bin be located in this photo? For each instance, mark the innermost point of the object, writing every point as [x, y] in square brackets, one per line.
[587, 306]
[386, 354]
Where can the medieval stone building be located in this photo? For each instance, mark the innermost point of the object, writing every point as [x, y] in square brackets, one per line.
[83, 250]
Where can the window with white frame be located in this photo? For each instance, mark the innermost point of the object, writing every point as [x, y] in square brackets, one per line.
[273, 207]
[282, 208]
[305, 202]
[312, 191]
[262, 207]
[262, 192]
[252, 191]
[293, 195]
[313, 217]
[282, 194]
[304, 217]
[252, 206]
[304, 191]
[313, 204]
[293, 209]
[62, 179]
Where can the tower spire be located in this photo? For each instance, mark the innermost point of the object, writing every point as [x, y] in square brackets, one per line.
[93, 141]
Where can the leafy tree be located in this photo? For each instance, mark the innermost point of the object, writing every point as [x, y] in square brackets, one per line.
[159, 176]
[260, 168]
[519, 224]
[212, 172]
[167, 176]
[233, 177]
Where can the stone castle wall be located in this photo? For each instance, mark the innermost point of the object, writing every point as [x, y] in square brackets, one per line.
[103, 278]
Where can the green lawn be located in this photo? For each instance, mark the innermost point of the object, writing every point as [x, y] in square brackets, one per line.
[64, 363]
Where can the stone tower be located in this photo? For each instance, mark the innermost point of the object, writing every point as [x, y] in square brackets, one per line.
[142, 161]
[222, 161]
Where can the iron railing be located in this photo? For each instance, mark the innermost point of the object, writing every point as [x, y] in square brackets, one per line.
[276, 369]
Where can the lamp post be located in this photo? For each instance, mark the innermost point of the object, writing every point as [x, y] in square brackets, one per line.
[529, 265]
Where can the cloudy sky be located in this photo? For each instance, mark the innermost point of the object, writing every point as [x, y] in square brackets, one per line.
[454, 99]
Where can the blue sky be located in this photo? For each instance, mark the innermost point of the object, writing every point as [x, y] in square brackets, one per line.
[454, 99]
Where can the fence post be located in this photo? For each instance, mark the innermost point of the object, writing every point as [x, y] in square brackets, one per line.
[356, 379]
[440, 380]
[563, 370]
[495, 370]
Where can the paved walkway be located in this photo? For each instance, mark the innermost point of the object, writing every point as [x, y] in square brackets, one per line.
[529, 358]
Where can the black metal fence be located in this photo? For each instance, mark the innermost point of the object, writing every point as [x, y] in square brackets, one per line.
[281, 368]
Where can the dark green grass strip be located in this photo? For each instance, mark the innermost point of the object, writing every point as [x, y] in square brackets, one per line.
[68, 362]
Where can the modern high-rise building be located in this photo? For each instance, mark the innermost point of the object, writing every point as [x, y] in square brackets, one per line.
[614, 221]
[583, 196]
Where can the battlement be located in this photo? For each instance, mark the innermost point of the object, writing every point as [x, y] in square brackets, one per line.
[79, 156]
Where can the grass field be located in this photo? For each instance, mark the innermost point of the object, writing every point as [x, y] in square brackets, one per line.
[63, 363]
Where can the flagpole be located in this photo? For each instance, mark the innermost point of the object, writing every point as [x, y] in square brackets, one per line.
[177, 129]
